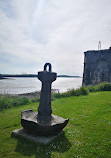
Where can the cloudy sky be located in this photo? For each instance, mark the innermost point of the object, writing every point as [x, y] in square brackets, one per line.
[33, 32]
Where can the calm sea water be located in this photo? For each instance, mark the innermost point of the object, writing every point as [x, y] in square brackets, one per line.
[21, 85]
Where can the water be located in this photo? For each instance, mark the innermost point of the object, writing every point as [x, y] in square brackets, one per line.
[19, 85]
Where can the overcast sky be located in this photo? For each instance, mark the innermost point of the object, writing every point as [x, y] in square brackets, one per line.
[33, 32]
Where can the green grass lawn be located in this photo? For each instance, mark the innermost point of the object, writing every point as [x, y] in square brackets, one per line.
[87, 135]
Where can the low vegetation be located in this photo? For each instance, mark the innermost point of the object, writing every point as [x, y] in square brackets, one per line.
[100, 87]
[8, 102]
[83, 90]
[87, 134]
[12, 101]
[72, 92]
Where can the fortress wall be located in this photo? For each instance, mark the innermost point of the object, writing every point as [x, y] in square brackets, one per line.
[97, 67]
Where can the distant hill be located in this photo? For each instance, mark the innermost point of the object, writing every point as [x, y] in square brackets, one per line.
[31, 75]
[18, 75]
[69, 76]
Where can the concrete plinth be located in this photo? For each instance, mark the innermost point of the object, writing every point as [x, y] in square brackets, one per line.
[20, 133]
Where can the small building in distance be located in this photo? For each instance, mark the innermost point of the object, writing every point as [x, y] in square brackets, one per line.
[97, 66]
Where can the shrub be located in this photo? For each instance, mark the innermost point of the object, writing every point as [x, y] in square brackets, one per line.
[17, 101]
[83, 91]
[104, 87]
[34, 100]
[74, 92]
[71, 92]
[4, 102]
[7, 102]
[100, 87]
[92, 88]
[56, 95]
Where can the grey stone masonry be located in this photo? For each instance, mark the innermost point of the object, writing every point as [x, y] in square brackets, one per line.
[97, 66]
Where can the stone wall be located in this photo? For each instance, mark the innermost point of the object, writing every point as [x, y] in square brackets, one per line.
[97, 66]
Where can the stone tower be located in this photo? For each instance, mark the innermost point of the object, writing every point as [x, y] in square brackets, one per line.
[97, 66]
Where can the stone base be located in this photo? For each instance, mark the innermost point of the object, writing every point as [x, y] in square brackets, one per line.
[35, 124]
[33, 138]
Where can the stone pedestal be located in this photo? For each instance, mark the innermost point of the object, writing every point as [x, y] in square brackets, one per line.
[20, 133]
[33, 125]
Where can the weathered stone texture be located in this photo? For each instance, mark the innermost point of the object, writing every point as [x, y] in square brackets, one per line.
[97, 67]
[43, 123]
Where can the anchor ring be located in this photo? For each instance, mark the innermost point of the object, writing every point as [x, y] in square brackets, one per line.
[50, 67]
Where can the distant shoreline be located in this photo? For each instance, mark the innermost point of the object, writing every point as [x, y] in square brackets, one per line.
[29, 95]
[33, 76]
[2, 78]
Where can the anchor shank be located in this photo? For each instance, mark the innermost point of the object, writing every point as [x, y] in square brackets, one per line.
[45, 99]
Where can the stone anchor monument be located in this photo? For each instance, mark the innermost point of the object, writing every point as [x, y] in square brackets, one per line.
[43, 123]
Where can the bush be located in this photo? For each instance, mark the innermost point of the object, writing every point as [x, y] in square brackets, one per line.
[92, 88]
[56, 95]
[84, 91]
[36, 99]
[100, 87]
[105, 87]
[17, 101]
[72, 92]
[7, 102]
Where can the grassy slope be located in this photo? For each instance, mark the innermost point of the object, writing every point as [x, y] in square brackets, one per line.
[87, 134]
